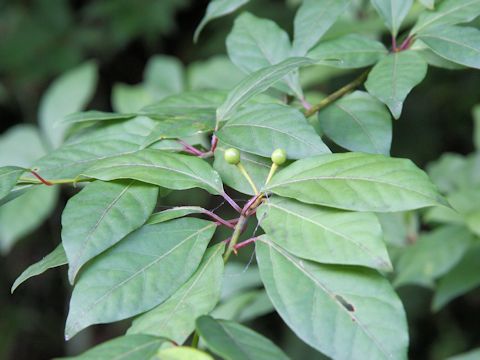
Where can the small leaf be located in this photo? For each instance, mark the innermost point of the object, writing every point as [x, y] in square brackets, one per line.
[256, 43]
[393, 77]
[175, 318]
[356, 181]
[216, 9]
[358, 122]
[325, 235]
[21, 145]
[432, 255]
[94, 115]
[349, 52]
[257, 82]
[233, 341]
[245, 306]
[448, 12]
[215, 73]
[9, 176]
[345, 312]
[257, 167]
[458, 44]
[174, 213]
[173, 171]
[263, 128]
[393, 12]
[429, 4]
[56, 258]
[163, 76]
[129, 347]
[101, 215]
[181, 353]
[138, 273]
[35, 206]
[68, 94]
[313, 19]
[459, 280]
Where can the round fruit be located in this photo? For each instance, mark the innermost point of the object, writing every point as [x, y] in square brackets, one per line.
[232, 156]
[279, 156]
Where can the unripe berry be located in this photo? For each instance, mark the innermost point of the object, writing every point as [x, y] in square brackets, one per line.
[232, 156]
[279, 156]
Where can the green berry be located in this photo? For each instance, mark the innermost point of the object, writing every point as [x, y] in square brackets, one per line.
[279, 156]
[232, 156]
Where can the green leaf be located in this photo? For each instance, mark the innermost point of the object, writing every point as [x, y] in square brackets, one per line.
[429, 4]
[349, 52]
[130, 98]
[101, 215]
[35, 206]
[175, 318]
[238, 278]
[470, 355]
[114, 287]
[245, 306]
[263, 128]
[94, 115]
[233, 341]
[476, 120]
[256, 43]
[216, 73]
[325, 235]
[345, 312]
[216, 9]
[131, 347]
[432, 255]
[173, 171]
[9, 176]
[68, 94]
[393, 77]
[313, 19]
[448, 12]
[358, 122]
[459, 280]
[393, 12]
[356, 181]
[174, 213]
[257, 167]
[163, 76]
[257, 82]
[182, 353]
[56, 258]
[458, 44]
[21, 145]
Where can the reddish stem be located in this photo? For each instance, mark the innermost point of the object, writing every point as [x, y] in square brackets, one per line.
[394, 44]
[244, 243]
[190, 149]
[45, 182]
[231, 202]
[219, 219]
[214, 144]
[406, 43]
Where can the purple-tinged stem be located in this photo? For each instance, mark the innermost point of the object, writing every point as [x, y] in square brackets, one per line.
[394, 44]
[306, 105]
[189, 148]
[231, 202]
[244, 243]
[406, 43]
[218, 219]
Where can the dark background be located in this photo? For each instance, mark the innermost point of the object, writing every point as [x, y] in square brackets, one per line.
[40, 39]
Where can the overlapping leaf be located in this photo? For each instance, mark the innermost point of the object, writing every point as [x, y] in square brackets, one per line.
[175, 318]
[256, 83]
[138, 273]
[349, 51]
[261, 129]
[8, 178]
[358, 122]
[313, 19]
[344, 312]
[392, 79]
[393, 12]
[173, 171]
[233, 341]
[356, 181]
[458, 44]
[102, 214]
[325, 235]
